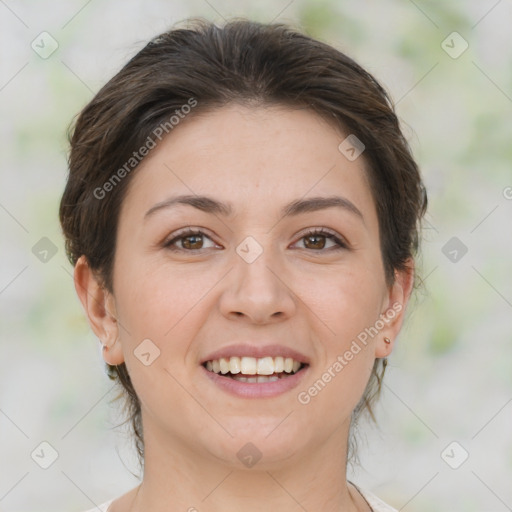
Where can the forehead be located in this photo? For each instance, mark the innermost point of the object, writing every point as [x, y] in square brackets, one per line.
[265, 154]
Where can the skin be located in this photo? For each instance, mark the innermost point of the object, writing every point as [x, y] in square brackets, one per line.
[296, 293]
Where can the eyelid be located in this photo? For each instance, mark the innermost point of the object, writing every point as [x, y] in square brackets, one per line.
[183, 233]
[339, 240]
[330, 234]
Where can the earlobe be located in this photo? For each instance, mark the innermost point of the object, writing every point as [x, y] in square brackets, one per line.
[113, 354]
[393, 315]
[99, 307]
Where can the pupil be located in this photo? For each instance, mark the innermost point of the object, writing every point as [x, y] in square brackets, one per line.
[318, 241]
[196, 240]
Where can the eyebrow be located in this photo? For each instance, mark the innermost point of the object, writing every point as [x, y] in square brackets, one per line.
[210, 205]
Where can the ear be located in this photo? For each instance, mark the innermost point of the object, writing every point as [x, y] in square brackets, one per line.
[393, 313]
[99, 306]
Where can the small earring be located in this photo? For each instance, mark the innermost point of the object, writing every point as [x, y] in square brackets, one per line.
[106, 347]
[387, 341]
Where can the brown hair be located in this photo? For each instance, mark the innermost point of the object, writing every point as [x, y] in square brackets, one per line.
[245, 62]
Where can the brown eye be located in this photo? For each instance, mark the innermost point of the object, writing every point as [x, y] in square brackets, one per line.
[314, 241]
[321, 240]
[192, 242]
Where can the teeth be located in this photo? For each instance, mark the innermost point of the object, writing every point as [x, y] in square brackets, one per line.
[264, 378]
[248, 365]
[265, 366]
[261, 367]
[259, 378]
[224, 365]
[235, 365]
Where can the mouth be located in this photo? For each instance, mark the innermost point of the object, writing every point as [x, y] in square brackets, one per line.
[255, 369]
[255, 377]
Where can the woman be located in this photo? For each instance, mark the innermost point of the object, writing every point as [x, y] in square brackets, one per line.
[242, 213]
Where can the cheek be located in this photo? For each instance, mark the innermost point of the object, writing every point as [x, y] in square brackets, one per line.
[347, 302]
[337, 383]
[349, 305]
[152, 298]
[165, 305]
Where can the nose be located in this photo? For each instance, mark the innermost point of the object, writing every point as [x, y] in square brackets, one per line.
[257, 292]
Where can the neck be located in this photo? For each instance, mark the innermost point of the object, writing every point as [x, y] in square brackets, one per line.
[178, 478]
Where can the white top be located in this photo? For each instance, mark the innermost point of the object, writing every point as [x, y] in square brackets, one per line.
[375, 503]
[101, 508]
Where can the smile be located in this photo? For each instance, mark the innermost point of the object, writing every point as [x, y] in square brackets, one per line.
[254, 370]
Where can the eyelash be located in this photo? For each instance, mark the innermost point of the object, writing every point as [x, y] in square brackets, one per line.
[341, 244]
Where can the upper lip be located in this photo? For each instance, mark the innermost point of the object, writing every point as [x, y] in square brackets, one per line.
[257, 351]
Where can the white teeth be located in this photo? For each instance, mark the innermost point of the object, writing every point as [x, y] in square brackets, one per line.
[266, 366]
[259, 378]
[224, 365]
[248, 365]
[263, 366]
[234, 365]
[264, 378]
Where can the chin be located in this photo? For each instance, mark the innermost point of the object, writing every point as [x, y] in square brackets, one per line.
[259, 443]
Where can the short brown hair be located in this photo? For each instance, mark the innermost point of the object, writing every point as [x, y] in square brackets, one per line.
[245, 62]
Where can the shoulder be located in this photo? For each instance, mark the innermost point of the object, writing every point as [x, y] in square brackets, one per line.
[101, 508]
[375, 503]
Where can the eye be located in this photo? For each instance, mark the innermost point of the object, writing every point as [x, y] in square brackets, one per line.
[189, 240]
[322, 239]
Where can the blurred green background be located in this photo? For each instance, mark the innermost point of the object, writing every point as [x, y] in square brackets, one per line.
[450, 377]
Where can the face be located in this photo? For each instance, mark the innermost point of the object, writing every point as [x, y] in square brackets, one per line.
[249, 244]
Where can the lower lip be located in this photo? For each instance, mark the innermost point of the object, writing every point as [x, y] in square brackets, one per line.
[256, 389]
